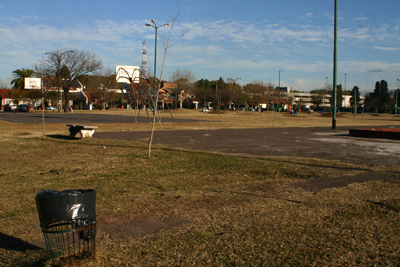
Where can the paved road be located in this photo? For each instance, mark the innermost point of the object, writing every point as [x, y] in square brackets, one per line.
[323, 143]
[74, 118]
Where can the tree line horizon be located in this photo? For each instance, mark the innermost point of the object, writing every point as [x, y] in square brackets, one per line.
[85, 66]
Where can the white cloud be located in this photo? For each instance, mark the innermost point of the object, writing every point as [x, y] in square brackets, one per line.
[244, 32]
[367, 66]
[387, 48]
[360, 19]
[228, 45]
[361, 34]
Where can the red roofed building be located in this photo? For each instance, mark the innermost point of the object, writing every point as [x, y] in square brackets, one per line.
[5, 98]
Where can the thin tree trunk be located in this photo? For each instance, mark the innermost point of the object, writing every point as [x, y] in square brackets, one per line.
[167, 45]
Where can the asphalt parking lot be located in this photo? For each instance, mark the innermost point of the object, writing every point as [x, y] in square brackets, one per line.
[74, 118]
[323, 143]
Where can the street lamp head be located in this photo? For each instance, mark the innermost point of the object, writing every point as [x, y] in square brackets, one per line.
[153, 21]
[149, 25]
[168, 24]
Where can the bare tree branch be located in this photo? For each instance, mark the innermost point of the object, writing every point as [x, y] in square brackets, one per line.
[62, 67]
[166, 46]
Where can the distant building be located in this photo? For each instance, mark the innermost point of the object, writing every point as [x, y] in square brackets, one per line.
[5, 98]
[283, 89]
[305, 99]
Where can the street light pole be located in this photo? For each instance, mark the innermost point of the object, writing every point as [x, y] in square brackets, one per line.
[155, 58]
[59, 58]
[279, 88]
[397, 93]
[326, 84]
[234, 80]
[334, 89]
[355, 101]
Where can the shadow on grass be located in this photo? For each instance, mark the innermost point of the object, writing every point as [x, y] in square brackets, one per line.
[12, 243]
[60, 137]
[16, 252]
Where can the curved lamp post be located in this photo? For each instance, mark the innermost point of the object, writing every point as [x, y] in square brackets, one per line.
[59, 57]
[155, 57]
[233, 80]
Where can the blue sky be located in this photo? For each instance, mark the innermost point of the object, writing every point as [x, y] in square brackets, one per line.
[251, 40]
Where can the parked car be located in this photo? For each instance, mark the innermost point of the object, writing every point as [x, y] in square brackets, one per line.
[23, 108]
[10, 107]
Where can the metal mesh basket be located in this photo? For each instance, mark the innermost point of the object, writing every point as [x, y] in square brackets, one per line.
[68, 221]
[70, 240]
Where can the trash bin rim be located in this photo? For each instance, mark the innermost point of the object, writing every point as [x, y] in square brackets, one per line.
[70, 192]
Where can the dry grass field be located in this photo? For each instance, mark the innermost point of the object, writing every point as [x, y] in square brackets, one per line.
[183, 208]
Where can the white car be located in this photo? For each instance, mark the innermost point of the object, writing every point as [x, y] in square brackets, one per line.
[10, 107]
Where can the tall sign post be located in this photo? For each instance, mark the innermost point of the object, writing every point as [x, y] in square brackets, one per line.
[36, 84]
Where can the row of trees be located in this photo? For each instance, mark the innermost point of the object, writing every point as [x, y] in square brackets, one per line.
[60, 68]
[224, 93]
[380, 100]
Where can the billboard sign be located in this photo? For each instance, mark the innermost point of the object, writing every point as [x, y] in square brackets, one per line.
[33, 83]
[123, 73]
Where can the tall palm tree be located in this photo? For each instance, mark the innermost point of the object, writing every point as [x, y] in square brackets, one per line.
[18, 83]
[19, 77]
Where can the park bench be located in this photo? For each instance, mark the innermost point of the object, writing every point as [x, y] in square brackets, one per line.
[80, 131]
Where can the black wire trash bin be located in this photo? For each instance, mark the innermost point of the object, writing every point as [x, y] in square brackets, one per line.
[68, 221]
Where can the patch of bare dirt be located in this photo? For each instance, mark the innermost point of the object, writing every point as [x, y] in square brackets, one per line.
[137, 227]
[319, 184]
[126, 229]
